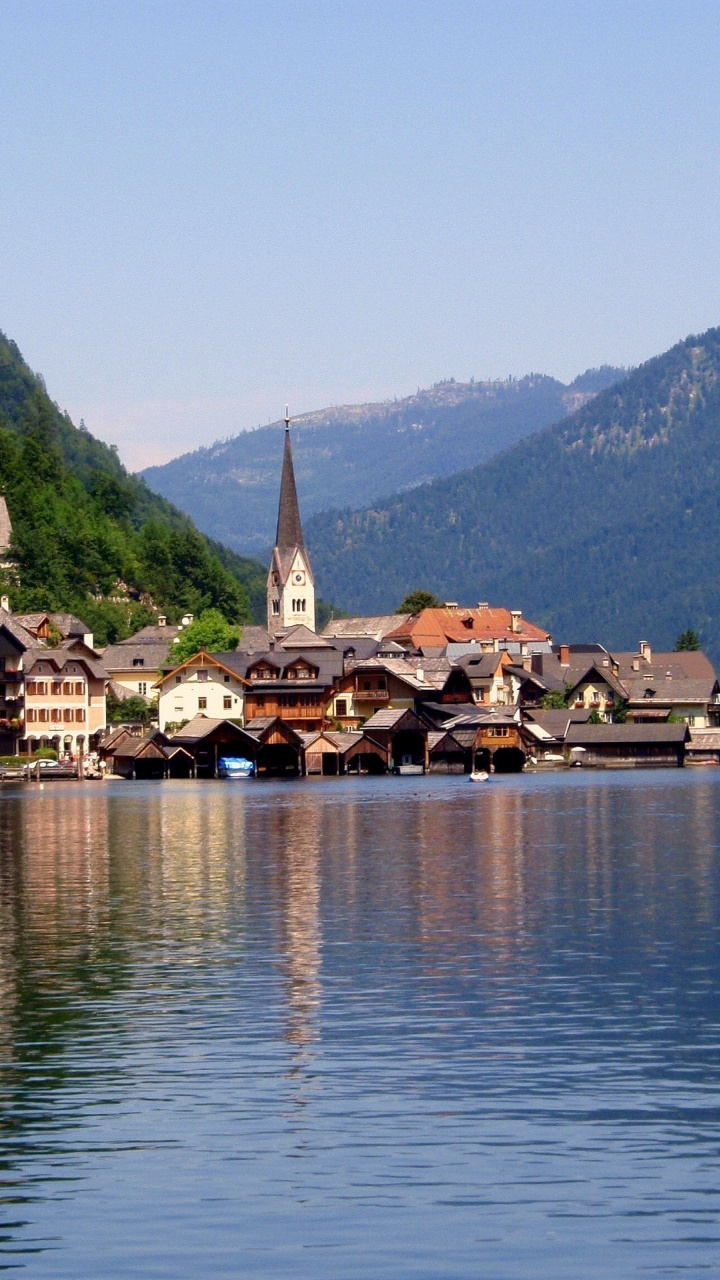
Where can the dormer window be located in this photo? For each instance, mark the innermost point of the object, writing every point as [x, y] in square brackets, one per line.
[138, 662]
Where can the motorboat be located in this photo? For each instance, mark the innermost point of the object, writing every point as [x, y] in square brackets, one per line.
[479, 775]
[409, 768]
[235, 767]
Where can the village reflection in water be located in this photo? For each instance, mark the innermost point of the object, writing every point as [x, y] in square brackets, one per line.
[456, 932]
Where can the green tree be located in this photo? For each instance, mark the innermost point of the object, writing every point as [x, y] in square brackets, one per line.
[620, 711]
[131, 708]
[687, 641]
[555, 700]
[418, 600]
[210, 631]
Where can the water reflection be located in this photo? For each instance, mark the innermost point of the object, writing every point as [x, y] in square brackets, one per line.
[490, 1012]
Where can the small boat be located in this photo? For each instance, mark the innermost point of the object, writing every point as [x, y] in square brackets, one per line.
[409, 768]
[235, 767]
[479, 775]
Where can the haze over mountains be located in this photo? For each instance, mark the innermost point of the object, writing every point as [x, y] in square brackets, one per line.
[354, 454]
[605, 526]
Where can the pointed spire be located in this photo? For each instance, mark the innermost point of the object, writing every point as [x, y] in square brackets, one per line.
[289, 528]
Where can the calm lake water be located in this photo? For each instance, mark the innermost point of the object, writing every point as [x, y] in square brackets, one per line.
[371, 1028]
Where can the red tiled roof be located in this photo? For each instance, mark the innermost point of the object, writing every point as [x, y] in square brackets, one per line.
[438, 627]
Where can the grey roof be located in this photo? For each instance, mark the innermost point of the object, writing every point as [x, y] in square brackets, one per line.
[328, 663]
[258, 723]
[386, 719]
[301, 637]
[343, 740]
[152, 634]
[359, 648]
[555, 721]
[672, 677]
[704, 740]
[378, 626]
[594, 669]
[61, 658]
[24, 638]
[610, 734]
[253, 640]
[120, 657]
[198, 728]
[66, 623]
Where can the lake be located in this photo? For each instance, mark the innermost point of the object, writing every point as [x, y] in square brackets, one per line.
[377, 1028]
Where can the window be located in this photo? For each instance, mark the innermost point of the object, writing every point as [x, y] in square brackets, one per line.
[31, 715]
[142, 688]
[67, 689]
[202, 674]
[30, 688]
[276, 606]
[56, 714]
[341, 707]
[226, 679]
[80, 715]
[138, 662]
[79, 688]
[202, 704]
[57, 687]
[227, 703]
[178, 679]
[43, 715]
[382, 683]
[68, 715]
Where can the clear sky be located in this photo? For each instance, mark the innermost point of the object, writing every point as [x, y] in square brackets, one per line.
[208, 208]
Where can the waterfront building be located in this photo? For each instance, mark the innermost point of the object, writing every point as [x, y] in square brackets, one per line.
[206, 684]
[487, 626]
[290, 582]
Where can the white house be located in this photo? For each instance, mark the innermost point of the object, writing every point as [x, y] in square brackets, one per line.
[203, 685]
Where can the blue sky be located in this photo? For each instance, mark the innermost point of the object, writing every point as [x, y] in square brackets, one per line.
[210, 208]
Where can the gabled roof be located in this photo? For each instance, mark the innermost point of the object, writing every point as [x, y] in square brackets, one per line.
[152, 634]
[200, 727]
[60, 658]
[388, 719]
[223, 662]
[596, 673]
[253, 640]
[301, 637]
[674, 677]
[23, 638]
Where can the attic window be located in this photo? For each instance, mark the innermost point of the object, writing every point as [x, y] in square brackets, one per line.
[468, 623]
[138, 662]
[649, 693]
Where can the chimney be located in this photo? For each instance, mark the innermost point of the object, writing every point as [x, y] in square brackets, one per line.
[451, 604]
[187, 619]
[419, 673]
[162, 620]
[564, 655]
[523, 649]
[636, 662]
[536, 663]
[515, 616]
[5, 603]
[645, 650]
[496, 645]
[483, 604]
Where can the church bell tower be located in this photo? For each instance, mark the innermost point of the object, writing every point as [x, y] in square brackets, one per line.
[290, 584]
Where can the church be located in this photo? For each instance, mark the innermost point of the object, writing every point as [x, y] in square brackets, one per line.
[290, 584]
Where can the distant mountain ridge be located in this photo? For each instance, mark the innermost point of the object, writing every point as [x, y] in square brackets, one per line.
[605, 526]
[355, 454]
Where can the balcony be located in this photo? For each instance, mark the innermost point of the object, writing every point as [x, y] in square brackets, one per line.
[371, 695]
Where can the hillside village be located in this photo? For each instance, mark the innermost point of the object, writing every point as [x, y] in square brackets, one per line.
[445, 689]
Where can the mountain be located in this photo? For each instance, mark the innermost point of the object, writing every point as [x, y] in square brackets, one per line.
[88, 537]
[355, 454]
[604, 527]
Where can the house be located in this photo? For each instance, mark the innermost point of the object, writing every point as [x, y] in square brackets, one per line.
[487, 679]
[290, 582]
[396, 683]
[451, 624]
[207, 684]
[49, 695]
[48, 627]
[65, 699]
[627, 745]
[292, 681]
[658, 685]
[598, 689]
[137, 662]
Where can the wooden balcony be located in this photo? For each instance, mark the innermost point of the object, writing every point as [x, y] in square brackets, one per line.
[371, 695]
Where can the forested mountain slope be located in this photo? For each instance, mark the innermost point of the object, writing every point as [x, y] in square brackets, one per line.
[603, 527]
[88, 537]
[353, 454]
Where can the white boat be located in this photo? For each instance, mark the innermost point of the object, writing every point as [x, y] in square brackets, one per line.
[409, 768]
[479, 775]
[235, 767]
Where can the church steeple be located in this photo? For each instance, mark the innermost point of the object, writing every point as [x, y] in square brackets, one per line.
[290, 586]
[289, 529]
